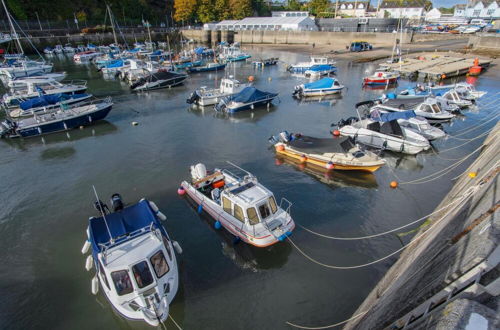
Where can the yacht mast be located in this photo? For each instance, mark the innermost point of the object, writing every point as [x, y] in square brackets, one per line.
[112, 21]
[13, 30]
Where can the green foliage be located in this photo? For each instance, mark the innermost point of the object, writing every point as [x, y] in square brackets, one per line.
[317, 7]
[294, 5]
[185, 10]
[81, 16]
[206, 11]
[446, 10]
[240, 8]
[16, 9]
[222, 10]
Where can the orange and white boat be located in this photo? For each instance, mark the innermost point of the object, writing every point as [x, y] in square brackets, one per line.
[240, 204]
[381, 78]
[339, 153]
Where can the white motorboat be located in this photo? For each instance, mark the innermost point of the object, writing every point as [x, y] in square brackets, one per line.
[134, 260]
[240, 204]
[210, 96]
[85, 56]
[21, 82]
[138, 69]
[466, 91]
[233, 54]
[301, 67]
[69, 49]
[452, 97]
[47, 103]
[161, 79]
[36, 87]
[429, 109]
[25, 68]
[322, 87]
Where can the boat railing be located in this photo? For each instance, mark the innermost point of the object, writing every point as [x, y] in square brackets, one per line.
[127, 236]
[285, 205]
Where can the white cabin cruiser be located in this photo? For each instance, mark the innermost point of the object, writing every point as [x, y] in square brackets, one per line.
[21, 82]
[429, 109]
[33, 88]
[466, 91]
[25, 68]
[452, 97]
[240, 204]
[301, 67]
[210, 96]
[134, 259]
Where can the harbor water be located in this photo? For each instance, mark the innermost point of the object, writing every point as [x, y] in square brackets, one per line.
[47, 198]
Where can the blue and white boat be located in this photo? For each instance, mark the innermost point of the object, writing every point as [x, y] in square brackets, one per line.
[186, 65]
[47, 103]
[66, 118]
[134, 259]
[233, 54]
[115, 66]
[411, 93]
[320, 70]
[325, 86]
[207, 67]
[302, 67]
[248, 98]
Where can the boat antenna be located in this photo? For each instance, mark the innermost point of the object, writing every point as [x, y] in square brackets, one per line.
[103, 214]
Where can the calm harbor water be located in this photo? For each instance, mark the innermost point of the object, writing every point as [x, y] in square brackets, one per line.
[46, 193]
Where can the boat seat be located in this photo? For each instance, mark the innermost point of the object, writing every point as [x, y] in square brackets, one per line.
[215, 194]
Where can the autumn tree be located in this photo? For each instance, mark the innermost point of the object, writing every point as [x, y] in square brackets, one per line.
[206, 11]
[222, 10]
[184, 10]
[318, 6]
[240, 8]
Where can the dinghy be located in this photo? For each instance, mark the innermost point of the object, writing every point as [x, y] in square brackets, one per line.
[381, 78]
[266, 62]
[80, 114]
[332, 154]
[248, 98]
[240, 204]
[210, 96]
[413, 93]
[134, 259]
[325, 86]
[161, 79]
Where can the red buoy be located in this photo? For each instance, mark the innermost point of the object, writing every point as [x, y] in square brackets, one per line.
[336, 132]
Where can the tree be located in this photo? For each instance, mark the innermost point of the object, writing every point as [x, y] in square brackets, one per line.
[206, 11]
[184, 10]
[222, 10]
[81, 16]
[294, 5]
[241, 8]
[318, 6]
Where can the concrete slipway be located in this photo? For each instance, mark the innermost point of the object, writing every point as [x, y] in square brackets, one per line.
[448, 278]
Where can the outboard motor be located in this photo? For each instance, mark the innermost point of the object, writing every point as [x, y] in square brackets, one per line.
[297, 91]
[193, 98]
[7, 127]
[198, 171]
[284, 137]
[101, 207]
[116, 202]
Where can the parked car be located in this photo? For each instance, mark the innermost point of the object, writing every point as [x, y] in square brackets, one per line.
[360, 46]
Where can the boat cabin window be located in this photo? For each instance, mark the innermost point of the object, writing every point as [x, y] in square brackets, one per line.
[436, 108]
[238, 213]
[264, 211]
[226, 205]
[159, 263]
[272, 203]
[103, 275]
[336, 83]
[253, 218]
[426, 108]
[142, 274]
[122, 282]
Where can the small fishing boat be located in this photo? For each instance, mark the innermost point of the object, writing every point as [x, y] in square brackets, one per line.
[46, 103]
[409, 120]
[85, 56]
[302, 67]
[186, 65]
[80, 114]
[248, 98]
[266, 62]
[332, 154]
[320, 70]
[240, 204]
[429, 109]
[161, 79]
[114, 66]
[48, 51]
[381, 78]
[210, 96]
[325, 86]
[36, 87]
[453, 97]
[207, 67]
[134, 260]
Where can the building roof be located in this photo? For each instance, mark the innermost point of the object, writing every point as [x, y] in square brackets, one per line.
[228, 22]
[353, 3]
[273, 20]
[486, 3]
[460, 6]
[403, 4]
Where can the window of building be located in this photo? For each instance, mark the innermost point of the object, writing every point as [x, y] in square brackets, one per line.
[490, 12]
[476, 13]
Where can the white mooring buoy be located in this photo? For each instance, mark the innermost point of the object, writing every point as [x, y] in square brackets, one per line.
[95, 285]
[177, 247]
[89, 262]
[153, 206]
[86, 247]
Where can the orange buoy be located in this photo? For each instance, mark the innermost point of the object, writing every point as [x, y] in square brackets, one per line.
[394, 184]
[336, 132]
[303, 159]
[280, 147]
[443, 76]
[251, 78]
[475, 70]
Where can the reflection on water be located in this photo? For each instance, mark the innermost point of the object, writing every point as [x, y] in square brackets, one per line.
[242, 116]
[57, 153]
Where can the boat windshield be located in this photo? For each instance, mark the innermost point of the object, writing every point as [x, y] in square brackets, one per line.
[253, 218]
[264, 211]
[436, 108]
[142, 274]
[121, 279]
[159, 263]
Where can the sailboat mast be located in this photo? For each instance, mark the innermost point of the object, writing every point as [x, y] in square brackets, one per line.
[13, 30]
[112, 21]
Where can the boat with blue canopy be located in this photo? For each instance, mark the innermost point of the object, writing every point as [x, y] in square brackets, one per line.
[207, 67]
[320, 70]
[47, 103]
[302, 67]
[249, 98]
[325, 86]
[186, 65]
[134, 260]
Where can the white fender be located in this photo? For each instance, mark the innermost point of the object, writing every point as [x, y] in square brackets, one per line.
[177, 247]
[161, 216]
[89, 262]
[153, 206]
[95, 285]
[86, 247]
[150, 319]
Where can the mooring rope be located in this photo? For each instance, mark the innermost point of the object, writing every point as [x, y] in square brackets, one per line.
[327, 326]
[178, 327]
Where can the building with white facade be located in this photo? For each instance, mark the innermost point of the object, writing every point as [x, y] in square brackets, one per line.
[268, 23]
[289, 13]
[478, 9]
[351, 8]
[433, 15]
[412, 9]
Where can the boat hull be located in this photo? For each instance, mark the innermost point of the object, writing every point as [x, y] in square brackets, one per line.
[206, 69]
[160, 84]
[321, 92]
[233, 108]
[64, 125]
[372, 81]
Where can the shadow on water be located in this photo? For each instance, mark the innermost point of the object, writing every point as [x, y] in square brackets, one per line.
[334, 179]
[245, 255]
[327, 100]
[243, 116]
[99, 128]
[400, 161]
[57, 153]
